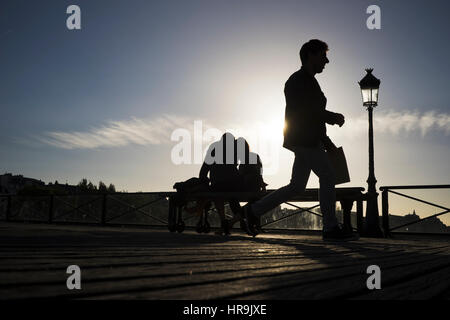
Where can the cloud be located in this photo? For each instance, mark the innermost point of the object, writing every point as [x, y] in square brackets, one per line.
[395, 123]
[158, 131]
[118, 133]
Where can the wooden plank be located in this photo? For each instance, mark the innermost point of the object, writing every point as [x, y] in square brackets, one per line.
[42, 275]
[156, 264]
[429, 285]
[319, 279]
[164, 257]
[355, 285]
[251, 279]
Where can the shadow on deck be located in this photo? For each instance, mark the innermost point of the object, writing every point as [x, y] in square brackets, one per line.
[137, 263]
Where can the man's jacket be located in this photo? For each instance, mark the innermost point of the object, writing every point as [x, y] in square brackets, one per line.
[305, 115]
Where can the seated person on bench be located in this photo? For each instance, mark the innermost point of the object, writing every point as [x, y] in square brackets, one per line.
[250, 170]
[221, 164]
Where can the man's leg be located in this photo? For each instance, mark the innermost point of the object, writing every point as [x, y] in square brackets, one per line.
[321, 166]
[300, 175]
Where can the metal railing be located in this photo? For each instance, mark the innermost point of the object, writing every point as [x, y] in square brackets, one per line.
[102, 209]
[108, 208]
[385, 204]
[118, 208]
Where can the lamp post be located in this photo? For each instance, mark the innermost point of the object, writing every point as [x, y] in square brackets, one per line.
[369, 90]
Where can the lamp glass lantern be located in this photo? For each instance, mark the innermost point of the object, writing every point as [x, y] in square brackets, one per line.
[369, 89]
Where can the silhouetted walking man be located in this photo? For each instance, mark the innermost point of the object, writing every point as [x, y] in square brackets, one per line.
[305, 135]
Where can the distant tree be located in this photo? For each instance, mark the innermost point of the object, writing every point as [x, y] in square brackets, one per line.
[56, 182]
[111, 188]
[91, 187]
[83, 184]
[88, 187]
[102, 187]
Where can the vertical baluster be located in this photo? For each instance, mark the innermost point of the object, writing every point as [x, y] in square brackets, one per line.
[104, 209]
[385, 209]
[50, 209]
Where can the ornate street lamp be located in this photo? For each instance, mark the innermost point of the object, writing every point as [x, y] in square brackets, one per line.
[369, 90]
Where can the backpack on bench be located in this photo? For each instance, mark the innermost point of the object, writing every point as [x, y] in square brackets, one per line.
[191, 185]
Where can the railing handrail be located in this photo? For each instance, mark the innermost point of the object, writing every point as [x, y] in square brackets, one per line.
[162, 193]
[435, 186]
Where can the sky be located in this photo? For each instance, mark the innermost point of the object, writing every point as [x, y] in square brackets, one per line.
[116, 100]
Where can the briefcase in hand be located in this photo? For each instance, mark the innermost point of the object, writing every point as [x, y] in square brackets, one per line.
[339, 164]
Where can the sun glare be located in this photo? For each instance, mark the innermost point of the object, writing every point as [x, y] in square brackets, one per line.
[272, 130]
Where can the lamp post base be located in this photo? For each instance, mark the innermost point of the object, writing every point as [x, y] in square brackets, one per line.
[372, 228]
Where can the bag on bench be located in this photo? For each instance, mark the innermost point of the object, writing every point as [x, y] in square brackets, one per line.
[191, 185]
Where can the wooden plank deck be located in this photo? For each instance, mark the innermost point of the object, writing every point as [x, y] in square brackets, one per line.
[143, 263]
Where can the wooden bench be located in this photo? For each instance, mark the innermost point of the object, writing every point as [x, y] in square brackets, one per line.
[346, 196]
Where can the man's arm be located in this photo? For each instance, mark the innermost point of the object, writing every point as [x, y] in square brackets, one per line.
[333, 118]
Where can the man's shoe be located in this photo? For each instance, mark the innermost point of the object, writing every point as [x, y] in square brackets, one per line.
[251, 221]
[338, 234]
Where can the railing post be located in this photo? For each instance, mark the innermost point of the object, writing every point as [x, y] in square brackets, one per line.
[104, 209]
[346, 211]
[8, 209]
[385, 209]
[172, 219]
[50, 209]
[359, 216]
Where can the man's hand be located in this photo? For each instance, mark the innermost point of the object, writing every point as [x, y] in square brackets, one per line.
[340, 119]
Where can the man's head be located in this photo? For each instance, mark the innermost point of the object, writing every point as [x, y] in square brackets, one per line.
[313, 55]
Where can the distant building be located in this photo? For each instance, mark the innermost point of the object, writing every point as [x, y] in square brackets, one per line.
[18, 184]
[431, 225]
[13, 183]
